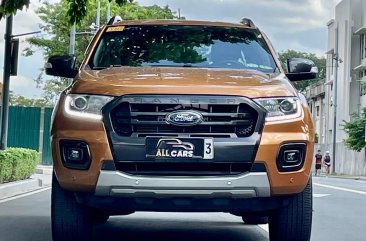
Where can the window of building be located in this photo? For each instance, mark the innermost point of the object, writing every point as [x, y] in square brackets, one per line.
[311, 107]
[317, 111]
[332, 66]
[363, 46]
[362, 74]
[362, 88]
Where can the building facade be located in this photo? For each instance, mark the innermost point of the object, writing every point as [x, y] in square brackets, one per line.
[344, 87]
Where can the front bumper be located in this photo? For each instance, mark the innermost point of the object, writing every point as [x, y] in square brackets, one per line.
[109, 183]
[117, 184]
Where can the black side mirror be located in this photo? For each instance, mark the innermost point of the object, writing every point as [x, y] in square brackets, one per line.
[301, 69]
[61, 66]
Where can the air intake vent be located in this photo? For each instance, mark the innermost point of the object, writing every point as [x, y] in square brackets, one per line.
[150, 118]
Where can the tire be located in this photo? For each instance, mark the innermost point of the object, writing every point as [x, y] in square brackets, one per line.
[293, 222]
[254, 220]
[70, 220]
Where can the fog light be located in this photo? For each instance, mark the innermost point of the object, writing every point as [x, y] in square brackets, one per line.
[291, 157]
[75, 154]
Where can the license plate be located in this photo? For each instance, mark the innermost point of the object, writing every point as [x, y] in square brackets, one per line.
[179, 148]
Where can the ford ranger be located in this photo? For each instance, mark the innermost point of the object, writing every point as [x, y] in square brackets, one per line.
[181, 116]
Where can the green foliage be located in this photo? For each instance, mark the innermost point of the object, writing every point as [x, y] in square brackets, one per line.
[319, 62]
[8, 7]
[76, 9]
[18, 100]
[355, 130]
[17, 164]
[58, 28]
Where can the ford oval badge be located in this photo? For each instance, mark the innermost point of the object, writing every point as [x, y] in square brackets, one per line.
[184, 118]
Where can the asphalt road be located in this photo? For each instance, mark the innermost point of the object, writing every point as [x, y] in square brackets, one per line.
[339, 215]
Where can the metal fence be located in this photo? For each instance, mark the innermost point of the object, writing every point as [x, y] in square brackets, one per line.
[29, 127]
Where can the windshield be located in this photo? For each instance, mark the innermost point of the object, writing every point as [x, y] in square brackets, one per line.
[183, 46]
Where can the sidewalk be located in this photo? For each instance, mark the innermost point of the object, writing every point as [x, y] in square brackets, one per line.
[41, 179]
[343, 176]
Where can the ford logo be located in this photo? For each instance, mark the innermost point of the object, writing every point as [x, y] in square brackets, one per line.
[184, 118]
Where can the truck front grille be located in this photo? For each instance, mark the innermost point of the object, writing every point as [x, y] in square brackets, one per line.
[234, 124]
[146, 119]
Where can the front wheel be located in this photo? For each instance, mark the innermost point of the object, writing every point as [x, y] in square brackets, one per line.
[70, 220]
[293, 222]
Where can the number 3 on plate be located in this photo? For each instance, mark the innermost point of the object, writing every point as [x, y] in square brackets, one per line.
[208, 152]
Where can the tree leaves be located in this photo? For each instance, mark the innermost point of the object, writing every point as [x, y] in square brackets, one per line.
[9, 7]
[18, 100]
[355, 130]
[122, 2]
[77, 8]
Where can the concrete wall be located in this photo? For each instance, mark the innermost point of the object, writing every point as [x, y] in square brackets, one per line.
[342, 20]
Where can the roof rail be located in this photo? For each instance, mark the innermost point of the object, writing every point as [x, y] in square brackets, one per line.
[248, 22]
[115, 19]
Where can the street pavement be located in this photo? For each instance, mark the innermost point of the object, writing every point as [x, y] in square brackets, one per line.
[339, 209]
[339, 215]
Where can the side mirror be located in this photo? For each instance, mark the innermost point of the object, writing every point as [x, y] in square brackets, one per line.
[61, 66]
[301, 69]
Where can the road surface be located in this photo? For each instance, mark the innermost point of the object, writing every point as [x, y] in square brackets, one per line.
[339, 215]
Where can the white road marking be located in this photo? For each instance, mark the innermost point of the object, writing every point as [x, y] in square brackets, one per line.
[340, 188]
[24, 195]
[264, 227]
[320, 195]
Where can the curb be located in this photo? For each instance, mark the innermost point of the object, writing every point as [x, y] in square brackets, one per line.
[40, 179]
[349, 177]
[19, 187]
[44, 170]
[362, 178]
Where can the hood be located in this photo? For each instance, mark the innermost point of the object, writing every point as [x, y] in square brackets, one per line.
[119, 81]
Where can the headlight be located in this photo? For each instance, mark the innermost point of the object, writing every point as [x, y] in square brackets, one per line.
[281, 108]
[86, 106]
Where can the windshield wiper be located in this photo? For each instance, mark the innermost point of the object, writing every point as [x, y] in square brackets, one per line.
[106, 67]
[172, 65]
[151, 65]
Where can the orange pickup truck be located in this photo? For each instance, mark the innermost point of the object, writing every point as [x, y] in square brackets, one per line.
[181, 116]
